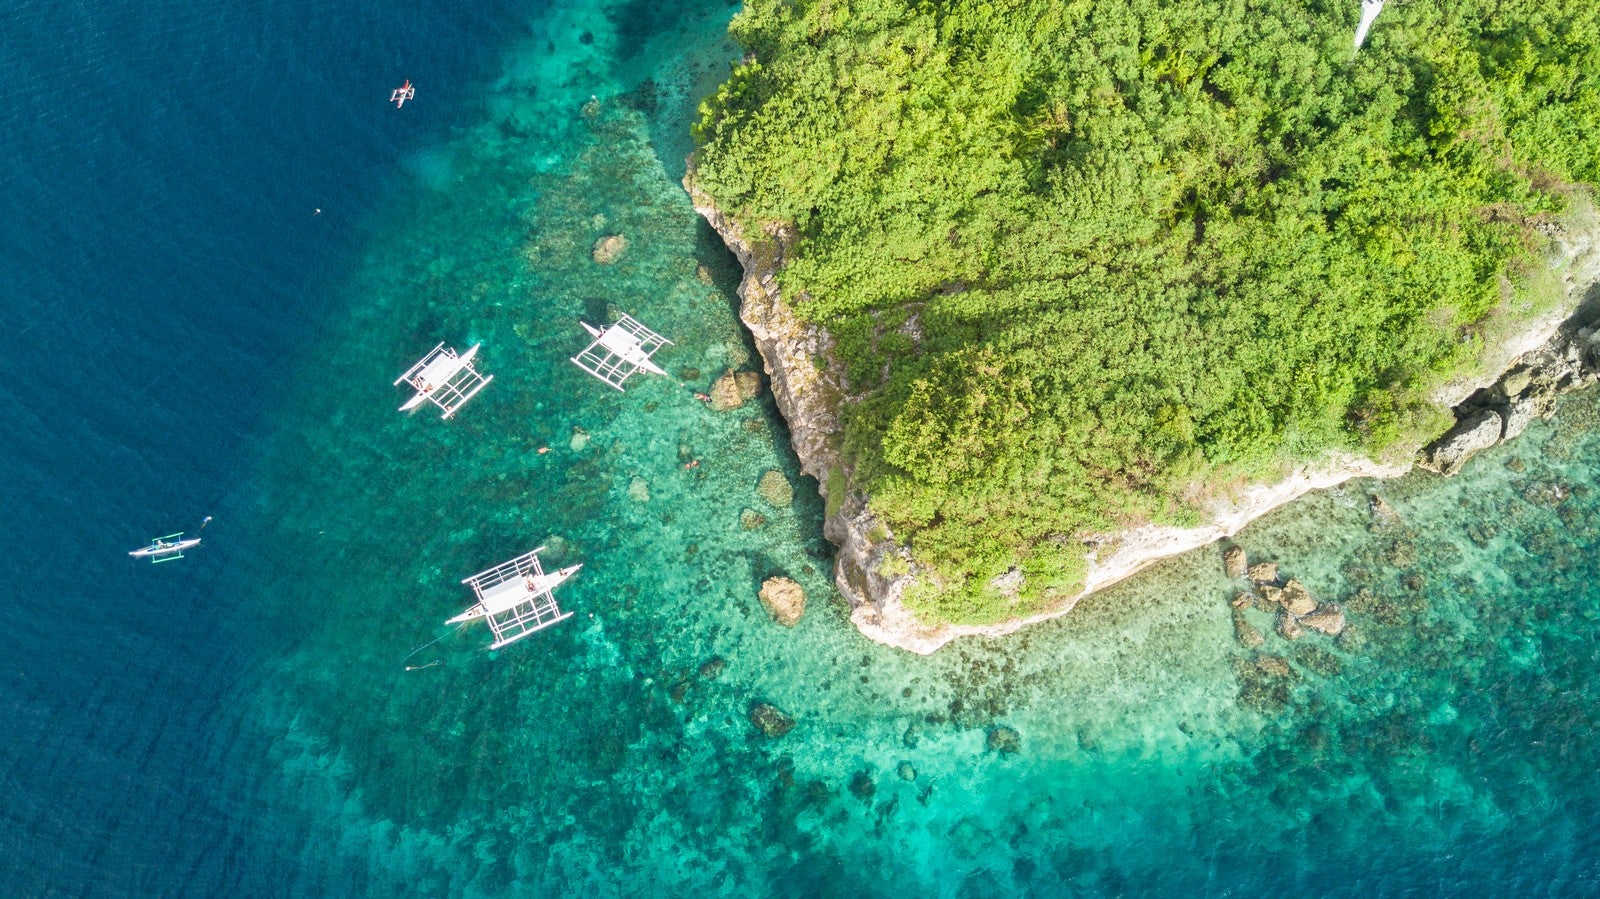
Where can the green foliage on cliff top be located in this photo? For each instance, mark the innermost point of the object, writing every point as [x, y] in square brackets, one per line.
[1112, 251]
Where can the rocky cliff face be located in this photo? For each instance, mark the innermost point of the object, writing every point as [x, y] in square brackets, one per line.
[872, 569]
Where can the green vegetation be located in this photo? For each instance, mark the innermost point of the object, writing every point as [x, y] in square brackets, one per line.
[1119, 254]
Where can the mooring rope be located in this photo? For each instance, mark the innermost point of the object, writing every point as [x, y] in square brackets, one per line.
[423, 646]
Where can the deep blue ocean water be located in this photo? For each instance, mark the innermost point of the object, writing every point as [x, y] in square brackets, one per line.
[283, 712]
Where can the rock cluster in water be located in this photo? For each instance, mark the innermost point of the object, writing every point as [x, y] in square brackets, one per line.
[1296, 609]
[1569, 361]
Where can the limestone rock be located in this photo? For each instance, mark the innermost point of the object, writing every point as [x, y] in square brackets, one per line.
[1516, 381]
[784, 599]
[775, 489]
[1234, 562]
[770, 720]
[1297, 599]
[749, 384]
[1264, 572]
[1518, 417]
[1269, 598]
[1004, 740]
[1383, 511]
[1289, 627]
[1241, 600]
[1471, 435]
[610, 248]
[1326, 619]
[1245, 632]
[725, 393]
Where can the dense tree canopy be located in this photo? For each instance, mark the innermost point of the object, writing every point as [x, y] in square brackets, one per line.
[1110, 252]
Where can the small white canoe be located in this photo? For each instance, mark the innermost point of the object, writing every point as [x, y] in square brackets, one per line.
[163, 548]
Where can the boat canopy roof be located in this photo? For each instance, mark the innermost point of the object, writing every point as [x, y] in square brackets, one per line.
[444, 379]
[620, 351]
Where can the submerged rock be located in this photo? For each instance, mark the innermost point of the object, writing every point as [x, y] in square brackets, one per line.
[1242, 600]
[1234, 562]
[639, 490]
[1264, 572]
[770, 720]
[1297, 599]
[1289, 626]
[1326, 619]
[1004, 740]
[580, 439]
[1264, 682]
[1245, 632]
[750, 519]
[1384, 512]
[775, 489]
[906, 771]
[725, 393]
[1269, 598]
[610, 248]
[712, 669]
[861, 786]
[1273, 666]
[749, 384]
[784, 599]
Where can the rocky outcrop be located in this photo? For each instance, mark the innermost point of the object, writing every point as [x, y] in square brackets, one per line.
[1325, 619]
[1570, 360]
[873, 569]
[1473, 434]
[1234, 562]
[784, 599]
[734, 387]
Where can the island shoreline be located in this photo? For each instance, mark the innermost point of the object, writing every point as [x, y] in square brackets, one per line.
[808, 384]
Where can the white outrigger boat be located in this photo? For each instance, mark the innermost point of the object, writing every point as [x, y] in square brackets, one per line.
[166, 549]
[443, 378]
[515, 598]
[620, 351]
[401, 94]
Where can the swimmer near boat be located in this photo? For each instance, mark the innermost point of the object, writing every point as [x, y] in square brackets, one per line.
[401, 94]
[169, 548]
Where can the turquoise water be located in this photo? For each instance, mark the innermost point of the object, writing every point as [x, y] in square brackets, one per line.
[245, 721]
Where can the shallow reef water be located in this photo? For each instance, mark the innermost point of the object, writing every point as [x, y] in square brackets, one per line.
[1131, 748]
[1443, 744]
